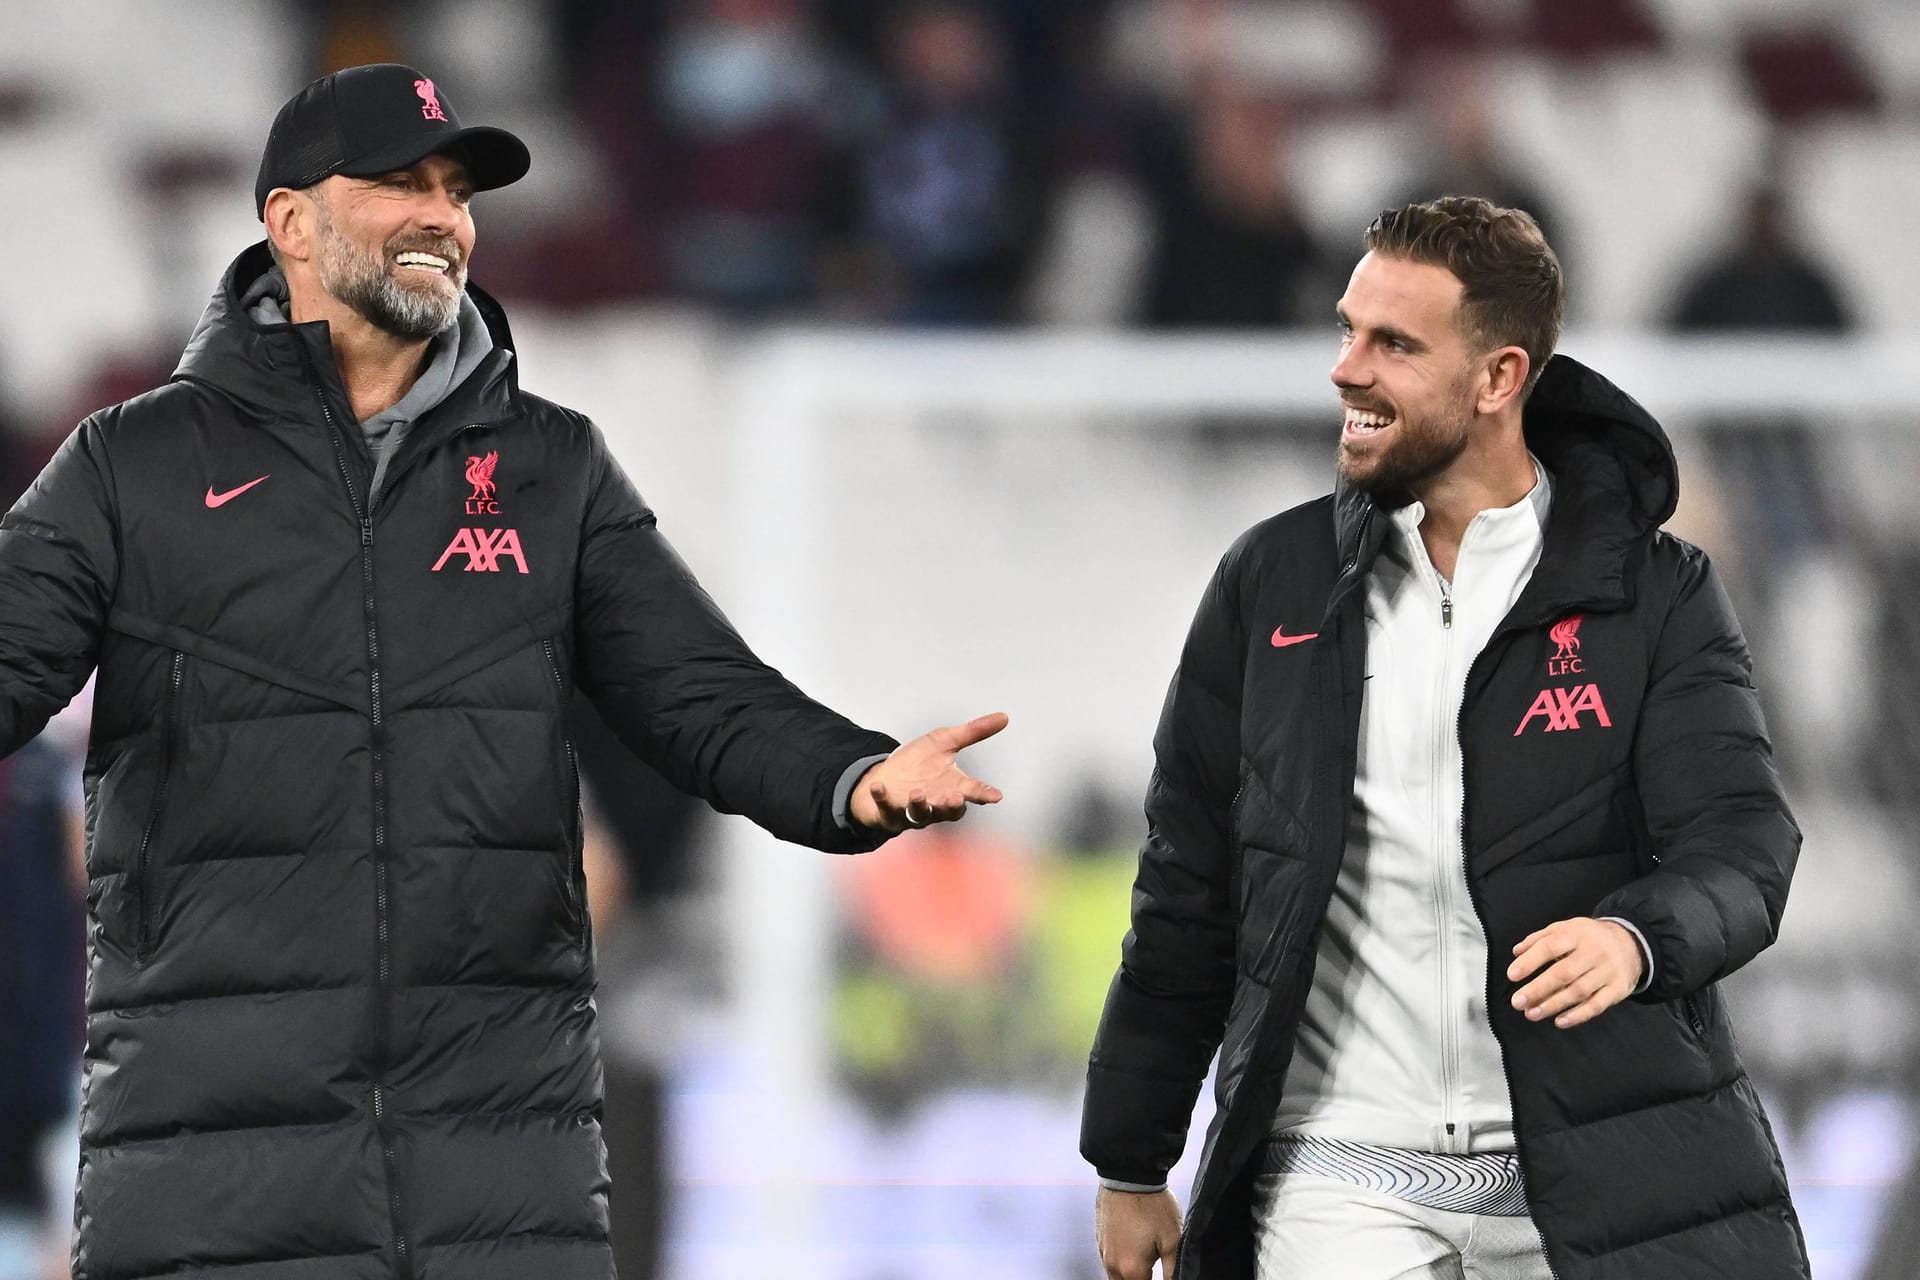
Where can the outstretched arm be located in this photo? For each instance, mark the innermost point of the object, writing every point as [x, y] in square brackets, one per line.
[679, 686]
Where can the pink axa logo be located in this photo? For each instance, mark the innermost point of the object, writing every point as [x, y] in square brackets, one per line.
[480, 475]
[1565, 635]
[484, 549]
[1562, 709]
[430, 96]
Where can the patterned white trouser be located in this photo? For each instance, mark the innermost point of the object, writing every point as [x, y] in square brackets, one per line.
[1311, 1227]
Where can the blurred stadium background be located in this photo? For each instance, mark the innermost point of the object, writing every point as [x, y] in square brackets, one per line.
[953, 343]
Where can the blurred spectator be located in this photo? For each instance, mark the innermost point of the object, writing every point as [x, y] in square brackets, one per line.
[42, 891]
[42, 887]
[1045, 42]
[1764, 281]
[934, 984]
[1231, 250]
[950, 199]
[1464, 151]
[754, 112]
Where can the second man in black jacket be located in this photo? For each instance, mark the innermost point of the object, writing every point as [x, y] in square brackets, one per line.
[1462, 805]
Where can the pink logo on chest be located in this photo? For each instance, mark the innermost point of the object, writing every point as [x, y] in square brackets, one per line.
[484, 550]
[1561, 709]
[480, 475]
[1565, 635]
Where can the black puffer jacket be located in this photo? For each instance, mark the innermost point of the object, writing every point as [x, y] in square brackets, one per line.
[340, 1006]
[1644, 1146]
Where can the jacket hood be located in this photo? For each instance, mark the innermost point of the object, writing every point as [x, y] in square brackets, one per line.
[267, 365]
[1615, 479]
[1578, 421]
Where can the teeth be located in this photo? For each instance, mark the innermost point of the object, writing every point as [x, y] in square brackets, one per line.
[427, 260]
[1359, 418]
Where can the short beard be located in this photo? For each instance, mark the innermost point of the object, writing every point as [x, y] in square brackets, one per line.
[1421, 451]
[365, 282]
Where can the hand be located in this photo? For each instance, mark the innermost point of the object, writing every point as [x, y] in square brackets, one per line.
[1133, 1228]
[1591, 965]
[922, 782]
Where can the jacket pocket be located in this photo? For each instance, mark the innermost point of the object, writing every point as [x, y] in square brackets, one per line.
[144, 893]
[1694, 1006]
[576, 835]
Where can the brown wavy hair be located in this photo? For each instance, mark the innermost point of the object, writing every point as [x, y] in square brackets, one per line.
[1515, 293]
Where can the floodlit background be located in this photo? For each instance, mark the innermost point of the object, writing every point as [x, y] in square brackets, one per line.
[953, 343]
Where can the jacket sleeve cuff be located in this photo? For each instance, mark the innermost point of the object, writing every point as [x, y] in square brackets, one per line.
[1138, 1188]
[1646, 952]
[843, 792]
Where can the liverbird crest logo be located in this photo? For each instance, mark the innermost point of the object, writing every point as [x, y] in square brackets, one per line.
[480, 475]
[1565, 635]
[431, 97]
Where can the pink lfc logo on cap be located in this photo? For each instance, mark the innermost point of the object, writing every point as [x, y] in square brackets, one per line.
[430, 96]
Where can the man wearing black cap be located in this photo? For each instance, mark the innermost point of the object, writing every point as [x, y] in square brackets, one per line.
[339, 578]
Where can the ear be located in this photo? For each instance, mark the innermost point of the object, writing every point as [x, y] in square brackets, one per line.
[1505, 375]
[289, 218]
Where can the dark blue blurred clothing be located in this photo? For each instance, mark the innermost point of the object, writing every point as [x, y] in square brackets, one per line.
[952, 202]
[42, 935]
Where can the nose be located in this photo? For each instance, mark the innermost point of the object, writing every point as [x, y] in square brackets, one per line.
[1349, 370]
[439, 212]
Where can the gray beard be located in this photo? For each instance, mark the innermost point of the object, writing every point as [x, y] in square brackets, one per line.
[362, 282]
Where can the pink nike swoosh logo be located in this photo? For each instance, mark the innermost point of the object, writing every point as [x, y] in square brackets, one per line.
[222, 499]
[1282, 641]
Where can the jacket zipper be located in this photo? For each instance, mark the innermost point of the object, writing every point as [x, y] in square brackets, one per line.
[143, 893]
[403, 1263]
[1443, 899]
[1695, 1019]
[1466, 868]
[576, 873]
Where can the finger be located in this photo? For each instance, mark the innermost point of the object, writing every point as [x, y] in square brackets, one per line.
[958, 737]
[888, 813]
[951, 806]
[1587, 1010]
[1567, 997]
[1556, 979]
[1549, 944]
[900, 810]
[918, 811]
[1527, 941]
[978, 792]
[1167, 1260]
[947, 809]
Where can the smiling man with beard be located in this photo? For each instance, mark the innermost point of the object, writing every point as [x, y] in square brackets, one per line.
[1462, 805]
[340, 578]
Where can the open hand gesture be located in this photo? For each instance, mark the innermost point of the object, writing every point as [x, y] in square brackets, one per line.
[922, 781]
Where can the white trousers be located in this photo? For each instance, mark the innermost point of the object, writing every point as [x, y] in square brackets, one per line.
[1311, 1227]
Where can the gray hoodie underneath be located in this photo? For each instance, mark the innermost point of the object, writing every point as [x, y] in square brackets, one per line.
[451, 357]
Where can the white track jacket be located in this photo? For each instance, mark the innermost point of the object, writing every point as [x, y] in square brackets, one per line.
[1394, 1047]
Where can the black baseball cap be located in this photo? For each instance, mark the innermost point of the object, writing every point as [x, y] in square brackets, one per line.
[365, 121]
